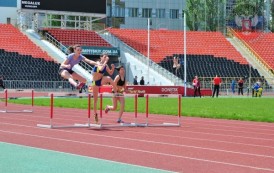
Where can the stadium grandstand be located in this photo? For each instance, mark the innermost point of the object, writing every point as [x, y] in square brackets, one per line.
[145, 36]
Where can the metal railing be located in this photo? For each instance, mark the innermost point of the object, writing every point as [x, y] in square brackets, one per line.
[126, 48]
[206, 83]
[38, 85]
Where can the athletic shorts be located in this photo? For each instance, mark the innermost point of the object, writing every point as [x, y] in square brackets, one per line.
[97, 83]
[68, 70]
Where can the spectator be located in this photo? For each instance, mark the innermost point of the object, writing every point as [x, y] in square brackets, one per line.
[135, 81]
[257, 89]
[216, 82]
[196, 85]
[176, 65]
[233, 84]
[142, 81]
[2, 82]
[240, 86]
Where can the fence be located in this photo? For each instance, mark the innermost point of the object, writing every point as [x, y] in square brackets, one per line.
[38, 85]
[206, 83]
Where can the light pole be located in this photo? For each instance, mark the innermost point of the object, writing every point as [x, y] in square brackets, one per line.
[185, 75]
[148, 48]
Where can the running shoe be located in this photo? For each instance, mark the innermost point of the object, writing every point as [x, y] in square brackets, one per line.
[80, 85]
[120, 121]
[107, 109]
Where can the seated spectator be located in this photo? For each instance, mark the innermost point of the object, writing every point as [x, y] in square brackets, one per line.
[257, 90]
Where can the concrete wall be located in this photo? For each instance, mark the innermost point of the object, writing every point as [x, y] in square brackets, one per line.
[8, 12]
[156, 23]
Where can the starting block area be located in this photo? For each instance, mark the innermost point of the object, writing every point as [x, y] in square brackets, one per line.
[16, 94]
[101, 123]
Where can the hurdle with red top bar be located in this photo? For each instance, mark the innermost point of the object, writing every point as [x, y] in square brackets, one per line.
[165, 124]
[16, 92]
[137, 124]
[102, 125]
[52, 126]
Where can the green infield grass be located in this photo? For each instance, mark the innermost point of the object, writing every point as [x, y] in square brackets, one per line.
[249, 109]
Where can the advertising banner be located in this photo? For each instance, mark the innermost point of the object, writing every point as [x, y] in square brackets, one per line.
[85, 6]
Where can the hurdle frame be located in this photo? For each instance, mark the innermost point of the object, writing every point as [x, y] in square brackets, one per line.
[137, 124]
[52, 126]
[18, 111]
[102, 125]
[164, 124]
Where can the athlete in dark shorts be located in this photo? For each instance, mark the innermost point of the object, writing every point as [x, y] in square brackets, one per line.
[99, 79]
[120, 81]
[72, 59]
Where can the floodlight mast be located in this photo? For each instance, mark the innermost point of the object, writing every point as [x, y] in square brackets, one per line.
[185, 75]
[148, 49]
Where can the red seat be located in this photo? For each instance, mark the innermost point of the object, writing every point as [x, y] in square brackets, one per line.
[169, 42]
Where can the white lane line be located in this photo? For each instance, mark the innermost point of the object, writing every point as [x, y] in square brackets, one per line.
[164, 143]
[149, 134]
[143, 151]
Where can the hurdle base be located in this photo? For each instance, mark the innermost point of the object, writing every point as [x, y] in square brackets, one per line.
[139, 124]
[60, 126]
[118, 125]
[19, 111]
[108, 125]
[89, 125]
[44, 126]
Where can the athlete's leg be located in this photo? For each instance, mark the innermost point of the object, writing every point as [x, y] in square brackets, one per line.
[78, 77]
[66, 75]
[95, 99]
[122, 107]
[107, 79]
[114, 105]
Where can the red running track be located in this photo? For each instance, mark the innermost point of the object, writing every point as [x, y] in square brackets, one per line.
[199, 145]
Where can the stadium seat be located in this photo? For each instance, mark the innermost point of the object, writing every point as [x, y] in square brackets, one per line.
[12, 40]
[83, 37]
[262, 43]
[168, 42]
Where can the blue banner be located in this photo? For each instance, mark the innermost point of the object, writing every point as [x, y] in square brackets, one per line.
[100, 50]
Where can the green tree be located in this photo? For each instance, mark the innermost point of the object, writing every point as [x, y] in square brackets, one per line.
[272, 15]
[193, 14]
[215, 15]
[205, 15]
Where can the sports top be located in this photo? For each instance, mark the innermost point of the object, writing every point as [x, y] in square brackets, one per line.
[99, 69]
[73, 61]
[121, 82]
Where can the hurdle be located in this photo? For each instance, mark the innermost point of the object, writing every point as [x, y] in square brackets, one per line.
[165, 124]
[17, 91]
[52, 126]
[134, 124]
[102, 125]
